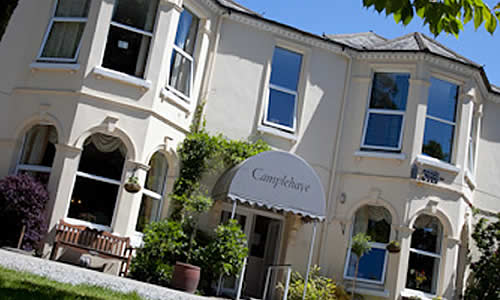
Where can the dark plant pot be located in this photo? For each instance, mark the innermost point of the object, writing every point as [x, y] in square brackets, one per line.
[186, 277]
[393, 248]
[132, 187]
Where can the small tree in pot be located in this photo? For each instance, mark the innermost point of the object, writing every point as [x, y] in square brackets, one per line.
[360, 246]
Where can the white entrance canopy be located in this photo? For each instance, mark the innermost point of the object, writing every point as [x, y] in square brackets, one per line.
[275, 180]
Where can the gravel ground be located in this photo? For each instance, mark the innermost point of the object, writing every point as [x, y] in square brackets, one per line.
[75, 275]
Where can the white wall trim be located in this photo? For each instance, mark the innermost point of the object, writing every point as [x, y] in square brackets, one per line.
[379, 155]
[101, 72]
[436, 163]
[43, 66]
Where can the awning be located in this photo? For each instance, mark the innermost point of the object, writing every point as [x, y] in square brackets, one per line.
[275, 180]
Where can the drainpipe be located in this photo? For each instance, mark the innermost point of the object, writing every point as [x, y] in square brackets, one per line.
[333, 170]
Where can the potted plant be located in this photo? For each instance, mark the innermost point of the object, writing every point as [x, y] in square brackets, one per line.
[132, 185]
[187, 276]
[360, 246]
[393, 247]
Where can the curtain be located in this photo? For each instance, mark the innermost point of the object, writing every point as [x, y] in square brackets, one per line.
[72, 8]
[36, 142]
[64, 39]
[429, 223]
[106, 143]
[368, 212]
[180, 73]
[157, 174]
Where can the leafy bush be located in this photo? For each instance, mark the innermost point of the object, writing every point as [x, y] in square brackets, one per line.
[22, 203]
[318, 287]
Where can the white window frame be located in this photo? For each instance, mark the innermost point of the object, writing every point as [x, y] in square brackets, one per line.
[285, 45]
[472, 146]
[380, 111]
[54, 19]
[189, 57]
[373, 245]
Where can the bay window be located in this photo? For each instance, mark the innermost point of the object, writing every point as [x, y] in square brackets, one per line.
[129, 37]
[281, 110]
[384, 122]
[98, 179]
[62, 40]
[38, 151]
[153, 192]
[182, 62]
[440, 121]
[425, 255]
[472, 146]
[374, 221]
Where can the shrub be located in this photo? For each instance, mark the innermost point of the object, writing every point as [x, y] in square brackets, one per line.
[318, 287]
[22, 203]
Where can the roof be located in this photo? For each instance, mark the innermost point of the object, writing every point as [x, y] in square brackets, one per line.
[363, 40]
[495, 88]
[236, 6]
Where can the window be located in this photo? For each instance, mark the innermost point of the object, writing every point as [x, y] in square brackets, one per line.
[62, 39]
[98, 179]
[38, 151]
[130, 36]
[472, 146]
[385, 118]
[281, 111]
[182, 63]
[440, 121]
[376, 222]
[153, 192]
[425, 255]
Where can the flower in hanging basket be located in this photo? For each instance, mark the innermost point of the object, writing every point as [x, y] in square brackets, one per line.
[393, 247]
[132, 185]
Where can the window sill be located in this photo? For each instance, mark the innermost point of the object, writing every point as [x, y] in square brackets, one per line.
[46, 66]
[436, 163]
[278, 133]
[101, 72]
[470, 179]
[88, 224]
[379, 155]
[407, 293]
[383, 293]
[175, 100]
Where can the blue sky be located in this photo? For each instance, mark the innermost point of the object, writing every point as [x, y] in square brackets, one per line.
[349, 16]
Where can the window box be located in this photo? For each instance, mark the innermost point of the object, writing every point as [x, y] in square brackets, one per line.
[122, 77]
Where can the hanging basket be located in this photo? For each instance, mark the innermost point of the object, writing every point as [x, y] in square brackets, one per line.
[393, 247]
[132, 187]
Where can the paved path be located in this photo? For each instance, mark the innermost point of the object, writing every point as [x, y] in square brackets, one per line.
[75, 275]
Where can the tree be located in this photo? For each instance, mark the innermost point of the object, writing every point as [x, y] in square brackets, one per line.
[485, 278]
[448, 16]
[360, 246]
[5, 13]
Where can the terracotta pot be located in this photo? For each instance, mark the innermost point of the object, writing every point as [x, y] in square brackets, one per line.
[132, 187]
[392, 248]
[186, 277]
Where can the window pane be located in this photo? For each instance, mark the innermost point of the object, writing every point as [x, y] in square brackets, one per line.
[139, 14]
[383, 130]
[93, 201]
[72, 8]
[371, 265]
[422, 273]
[157, 174]
[39, 146]
[389, 91]
[285, 69]
[63, 40]
[186, 31]
[126, 51]
[427, 235]
[281, 108]
[180, 73]
[104, 156]
[42, 177]
[438, 140]
[149, 212]
[374, 221]
[442, 100]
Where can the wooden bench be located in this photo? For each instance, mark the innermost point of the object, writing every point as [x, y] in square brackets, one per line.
[86, 240]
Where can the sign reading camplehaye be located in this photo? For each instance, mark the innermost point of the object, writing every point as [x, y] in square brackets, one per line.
[261, 175]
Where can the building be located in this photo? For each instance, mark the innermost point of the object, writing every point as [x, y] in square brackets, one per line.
[402, 133]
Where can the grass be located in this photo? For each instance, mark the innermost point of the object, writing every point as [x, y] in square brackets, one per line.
[22, 285]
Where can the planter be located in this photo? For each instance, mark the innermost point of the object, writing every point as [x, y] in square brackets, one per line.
[393, 248]
[132, 187]
[186, 277]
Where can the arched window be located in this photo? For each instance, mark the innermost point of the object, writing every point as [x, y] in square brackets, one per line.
[98, 179]
[425, 254]
[38, 151]
[374, 221]
[153, 192]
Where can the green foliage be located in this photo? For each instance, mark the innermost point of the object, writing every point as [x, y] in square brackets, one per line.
[361, 244]
[318, 287]
[225, 254]
[484, 282]
[448, 16]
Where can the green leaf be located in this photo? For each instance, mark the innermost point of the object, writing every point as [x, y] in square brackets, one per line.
[497, 6]
[478, 17]
[491, 25]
